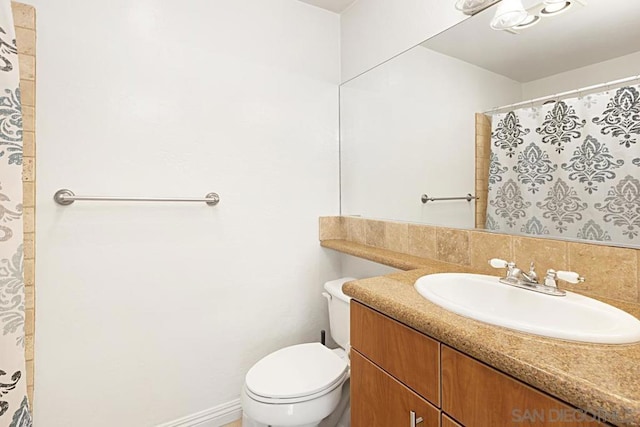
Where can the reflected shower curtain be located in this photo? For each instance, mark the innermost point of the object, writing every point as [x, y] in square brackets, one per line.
[570, 168]
[14, 407]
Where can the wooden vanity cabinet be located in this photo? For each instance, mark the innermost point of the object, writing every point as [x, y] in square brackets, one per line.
[406, 354]
[448, 422]
[384, 401]
[475, 394]
[396, 370]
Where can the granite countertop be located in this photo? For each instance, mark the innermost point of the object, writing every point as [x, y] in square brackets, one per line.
[601, 379]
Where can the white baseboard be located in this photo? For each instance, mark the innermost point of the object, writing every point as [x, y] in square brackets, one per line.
[212, 417]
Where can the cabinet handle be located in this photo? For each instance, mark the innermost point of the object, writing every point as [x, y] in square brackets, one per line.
[415, 421]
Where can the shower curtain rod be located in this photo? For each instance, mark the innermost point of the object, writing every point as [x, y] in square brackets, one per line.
[564, 94]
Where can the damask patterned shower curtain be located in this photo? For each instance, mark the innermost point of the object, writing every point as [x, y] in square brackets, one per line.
[14, 406]
[570, 168]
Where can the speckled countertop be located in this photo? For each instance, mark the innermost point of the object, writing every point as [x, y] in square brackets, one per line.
[601, 379]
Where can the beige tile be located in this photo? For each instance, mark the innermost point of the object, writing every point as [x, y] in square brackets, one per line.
[452, 245]
[28, 194]
[27, 65]
[482, 174]
[483, 146]
[29, 246]
[608, 271]
[28, 93]
[355, 229]
[26, 41]
[28, 218]
[23, 15]
[29, 372]
[237, 423]
[30, 397]
[482, 130]
[29, 297]
[28, 169]
[484, 246]
[481, 215]
[483, 119]
[332, 227]
[422, 241]
[29, 144]
[28, 118]
[28, 347]
[29, 322]
[482, 183]
[396, 236]
[29, 272]
[374, 233]
[638, 267]
[546, 254]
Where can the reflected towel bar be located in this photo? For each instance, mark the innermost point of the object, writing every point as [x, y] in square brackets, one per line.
[66, 197]
[426, 198]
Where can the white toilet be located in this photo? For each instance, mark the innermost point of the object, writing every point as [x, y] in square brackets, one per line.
[301, 385]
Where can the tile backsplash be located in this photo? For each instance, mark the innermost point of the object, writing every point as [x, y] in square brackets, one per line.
[24, 18]
[610, 272]
[483, 154]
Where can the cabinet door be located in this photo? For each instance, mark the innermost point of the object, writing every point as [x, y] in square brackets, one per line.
[379, 400]
[448, 422]
[408, 355]
[477, 395]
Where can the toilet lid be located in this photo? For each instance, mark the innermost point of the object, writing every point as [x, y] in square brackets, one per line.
[296, 371]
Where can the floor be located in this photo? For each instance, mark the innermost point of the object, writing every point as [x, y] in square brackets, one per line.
[234, 424]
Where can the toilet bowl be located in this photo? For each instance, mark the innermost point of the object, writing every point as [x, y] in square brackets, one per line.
[300, 385]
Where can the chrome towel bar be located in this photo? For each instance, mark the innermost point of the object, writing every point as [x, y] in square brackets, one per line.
[426, 198]
[66, 197]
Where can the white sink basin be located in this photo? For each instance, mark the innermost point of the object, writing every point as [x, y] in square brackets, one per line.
[572, 317]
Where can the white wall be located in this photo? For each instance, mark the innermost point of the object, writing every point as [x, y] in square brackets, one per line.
[361, 268]
[149, 312]
[602, 72]
[408, 128]
[372, 31]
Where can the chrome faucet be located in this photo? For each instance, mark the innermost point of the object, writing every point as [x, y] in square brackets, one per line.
[518, 278]
[514, 274]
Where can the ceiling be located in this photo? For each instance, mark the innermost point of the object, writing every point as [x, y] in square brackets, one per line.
[336, 6]
[584, 35]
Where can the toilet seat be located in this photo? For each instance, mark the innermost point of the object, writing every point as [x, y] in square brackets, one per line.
[296, 374]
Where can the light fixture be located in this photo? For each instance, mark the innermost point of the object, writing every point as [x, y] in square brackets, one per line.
[553, 7]
[509, 14]
[529, 22]
[471, 7]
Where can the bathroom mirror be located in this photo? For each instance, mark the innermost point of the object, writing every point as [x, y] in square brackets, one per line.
[408, 126]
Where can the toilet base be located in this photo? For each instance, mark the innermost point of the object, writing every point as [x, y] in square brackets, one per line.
[340, 416]
[247, 422]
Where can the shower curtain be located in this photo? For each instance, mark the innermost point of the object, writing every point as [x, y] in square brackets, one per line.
[14, 405]
[570, 168]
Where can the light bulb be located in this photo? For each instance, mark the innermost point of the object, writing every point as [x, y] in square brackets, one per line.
[509, 14]
[553, 7]
[529, 22]
[471, 7]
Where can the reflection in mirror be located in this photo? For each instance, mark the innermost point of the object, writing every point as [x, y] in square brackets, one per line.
[408, 126]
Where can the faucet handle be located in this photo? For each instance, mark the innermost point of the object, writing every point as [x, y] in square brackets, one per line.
[498, 263]
[569, 276]
[532, 276]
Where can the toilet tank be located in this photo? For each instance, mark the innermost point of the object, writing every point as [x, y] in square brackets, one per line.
[338, 311]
